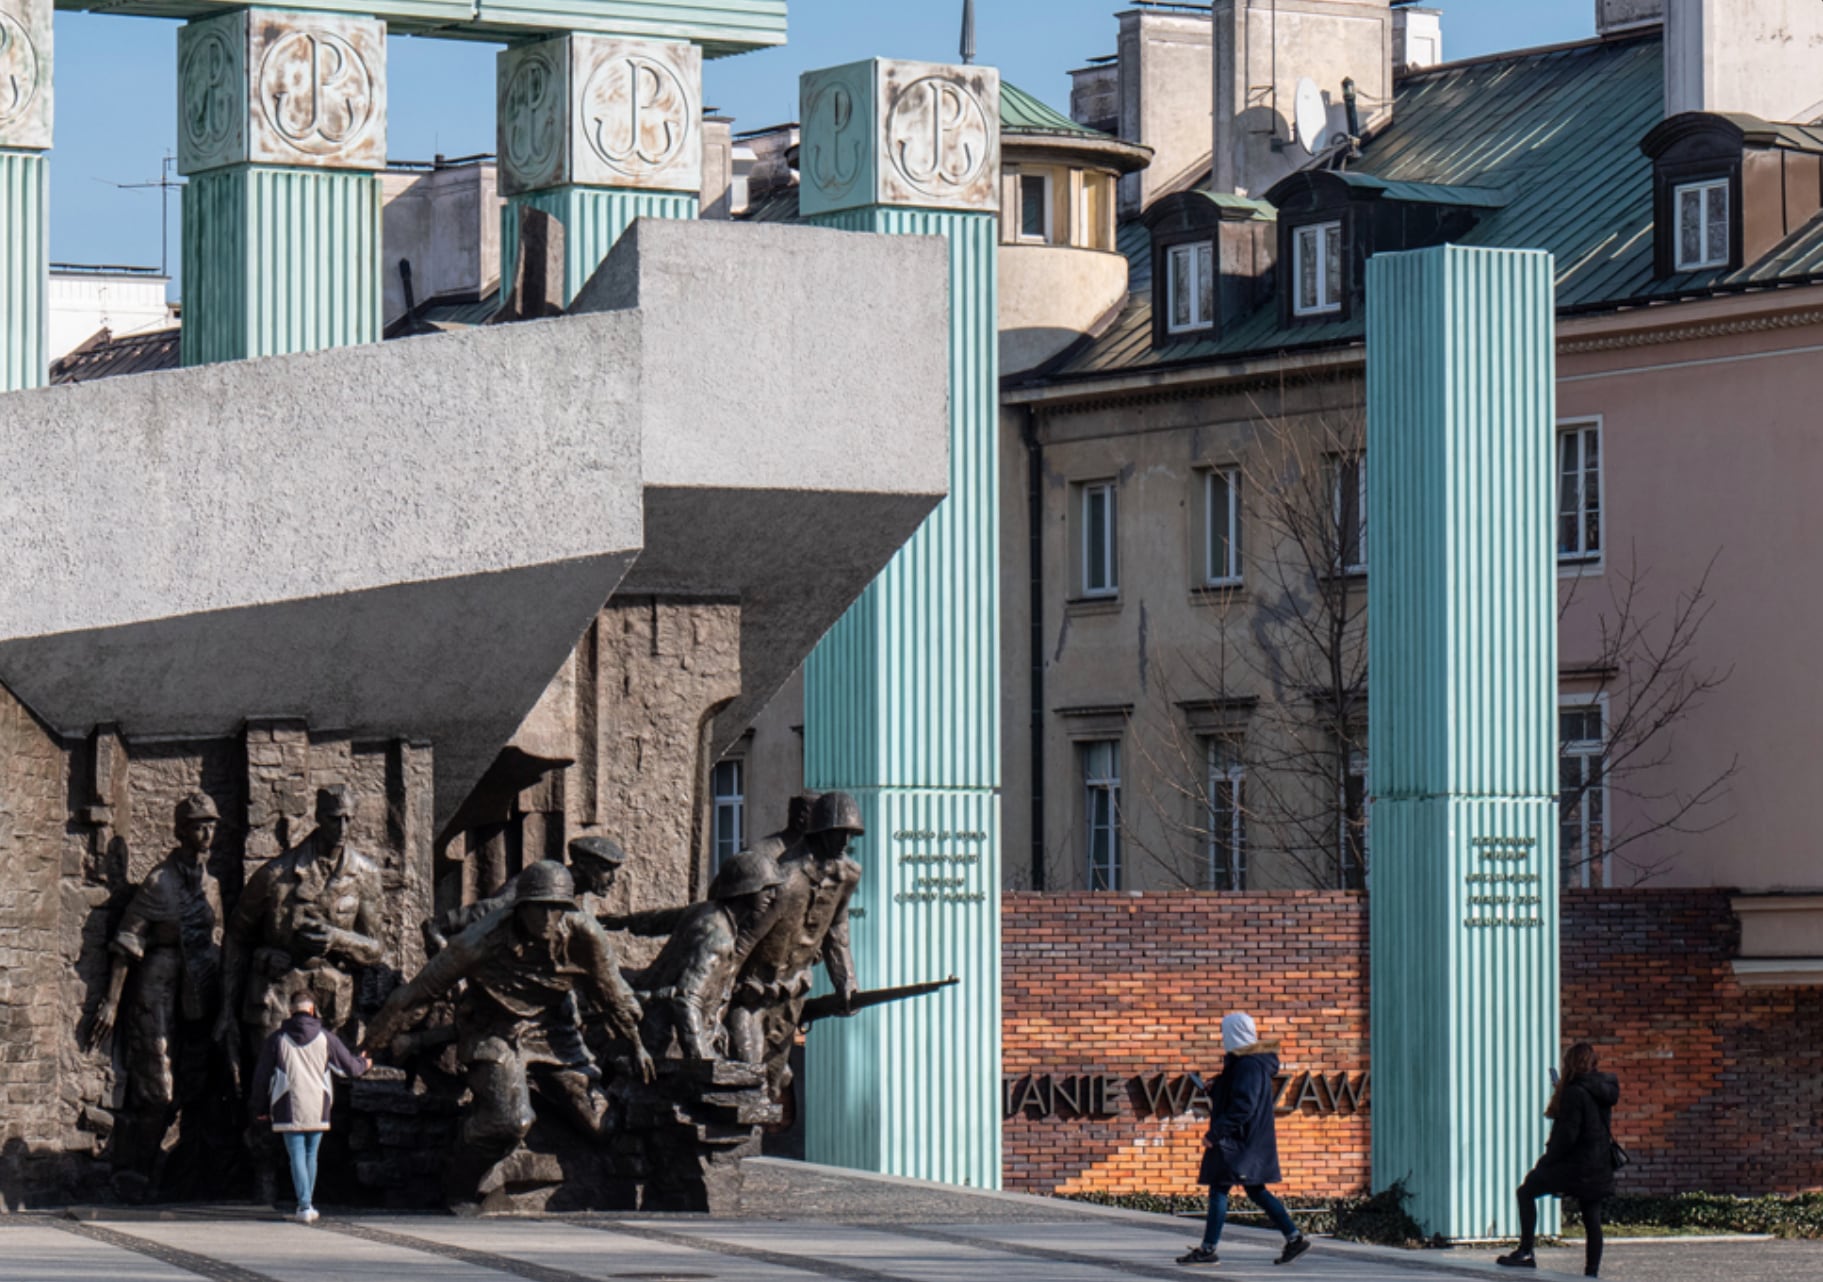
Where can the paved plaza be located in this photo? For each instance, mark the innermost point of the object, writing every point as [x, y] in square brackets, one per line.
[856, 1228]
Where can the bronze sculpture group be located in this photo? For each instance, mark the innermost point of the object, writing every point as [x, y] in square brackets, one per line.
[524, 999]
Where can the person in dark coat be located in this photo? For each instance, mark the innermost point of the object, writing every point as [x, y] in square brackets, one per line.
[292, 1090]
[1578, 1159]
[1242, 1146]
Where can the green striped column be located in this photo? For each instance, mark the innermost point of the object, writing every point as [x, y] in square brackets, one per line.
[902, 698]
[1462, 627]
[282, 134]
[25, 135]
[597, 132]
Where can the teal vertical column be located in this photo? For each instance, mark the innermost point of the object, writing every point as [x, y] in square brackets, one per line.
[1462, 626]
[25, 135]
[282, 133]
[902, 698]
[597, 132]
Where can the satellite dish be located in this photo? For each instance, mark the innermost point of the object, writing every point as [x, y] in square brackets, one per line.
[1311, 115]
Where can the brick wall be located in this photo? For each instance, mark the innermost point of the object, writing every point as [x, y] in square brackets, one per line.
[1722, 1087]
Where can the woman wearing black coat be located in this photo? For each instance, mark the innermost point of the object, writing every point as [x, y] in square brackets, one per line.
[1578, 1159]
[1242, 1146]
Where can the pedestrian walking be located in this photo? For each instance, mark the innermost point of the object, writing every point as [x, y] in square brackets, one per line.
[1242, 1146]
[1579, 1158]
[293, 1089]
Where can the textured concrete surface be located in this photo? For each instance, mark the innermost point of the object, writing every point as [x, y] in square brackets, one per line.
[408, 538]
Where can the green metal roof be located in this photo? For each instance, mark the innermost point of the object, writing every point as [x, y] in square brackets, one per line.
[1020, 113]
[1554, 135]
[1424, 193]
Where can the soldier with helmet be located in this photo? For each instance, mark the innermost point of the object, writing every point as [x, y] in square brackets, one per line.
[686, 989]
[810, 925]
[170, 942]
[515, 1022]
[594, 862]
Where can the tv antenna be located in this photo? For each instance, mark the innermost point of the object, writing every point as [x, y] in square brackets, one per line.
[165, 186]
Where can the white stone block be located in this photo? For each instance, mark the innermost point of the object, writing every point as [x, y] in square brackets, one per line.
[273, 87]
[589, 111]
[25, 74]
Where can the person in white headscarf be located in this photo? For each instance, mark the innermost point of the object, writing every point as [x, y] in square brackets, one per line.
[1242, 1146]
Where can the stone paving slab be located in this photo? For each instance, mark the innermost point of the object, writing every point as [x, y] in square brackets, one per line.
[288, 1252]
[44, 1254]
[1670, 1260]
[592, 1252]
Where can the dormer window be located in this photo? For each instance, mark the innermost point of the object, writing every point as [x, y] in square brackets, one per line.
[1702, 225]
[1191, 285]
[1035, 208]
[1317, 269]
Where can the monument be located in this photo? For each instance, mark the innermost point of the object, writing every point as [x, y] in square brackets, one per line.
[1462, 609]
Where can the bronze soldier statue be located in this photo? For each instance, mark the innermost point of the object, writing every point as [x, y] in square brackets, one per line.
[306, 921]
[170, 942]
[686, 989]
[811, 924]
[515, 1022]
[783, 843]
[595, 864]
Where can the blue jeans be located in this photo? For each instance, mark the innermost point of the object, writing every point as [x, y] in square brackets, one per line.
[302, 1147]
[1218, 1214]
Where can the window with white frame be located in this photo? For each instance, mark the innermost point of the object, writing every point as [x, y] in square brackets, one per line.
[1350, 498]
[1035, 208]
[1317, 269]
[1703, 238]
[1579, 492]
[1101, 811]
[1100, 563]
[1354, 836]
[1190, 287]
[729, 788]
[1582, 794]
[1226, 847]
[1222, 527]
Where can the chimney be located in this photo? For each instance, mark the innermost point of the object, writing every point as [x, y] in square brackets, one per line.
[1263, 50]
[1417, 38]
[718, 168]
[443, 218]
[1616, 17]
[1095, 94]
[1164, 85]
[1760, 57]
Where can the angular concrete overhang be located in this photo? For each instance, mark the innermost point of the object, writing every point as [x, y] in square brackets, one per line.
[407, 539]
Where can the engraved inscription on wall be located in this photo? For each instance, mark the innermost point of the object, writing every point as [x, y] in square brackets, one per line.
[1505, 887]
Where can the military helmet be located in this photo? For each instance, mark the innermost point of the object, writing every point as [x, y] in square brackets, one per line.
[836, 811]
[603, 850]
[334, 800]
[747, 873]
[196, 807]
[545, 882]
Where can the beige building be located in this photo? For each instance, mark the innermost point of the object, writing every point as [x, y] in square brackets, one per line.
[1184, 554]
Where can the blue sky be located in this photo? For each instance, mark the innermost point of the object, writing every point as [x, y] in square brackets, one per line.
[116, 87]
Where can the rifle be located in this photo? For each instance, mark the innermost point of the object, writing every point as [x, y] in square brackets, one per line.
[827, 1007]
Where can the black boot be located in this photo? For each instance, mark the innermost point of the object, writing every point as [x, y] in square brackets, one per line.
[1519, 1258]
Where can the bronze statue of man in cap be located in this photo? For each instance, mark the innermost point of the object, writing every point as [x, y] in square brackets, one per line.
[169, 942]
[306, 922]
[594, 863]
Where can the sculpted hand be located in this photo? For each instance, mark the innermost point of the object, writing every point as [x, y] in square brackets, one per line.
[316, 936]
[103, 1028]
[648, 1071]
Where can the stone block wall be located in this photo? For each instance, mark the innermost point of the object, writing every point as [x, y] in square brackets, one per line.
[1721, 1086]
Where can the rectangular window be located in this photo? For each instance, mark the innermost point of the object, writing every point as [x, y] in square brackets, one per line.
[1317, 271]
[1190, 270]
[730, 792]
[1222, 527]
[1702, 225]
[1350, 499]
[1101, 811]
[1579, 492]
[1100, 566]
[1035, 208]
[1227, 842]
[1582, 795]
[1354, 822]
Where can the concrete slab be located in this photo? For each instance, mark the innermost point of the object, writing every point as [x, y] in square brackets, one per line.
[590, 1253]
[45, 1254]
[288, 1252]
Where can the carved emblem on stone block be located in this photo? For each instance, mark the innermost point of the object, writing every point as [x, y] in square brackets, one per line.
[596, 112]
[282, 89]
[900, 133]
[25, 73]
